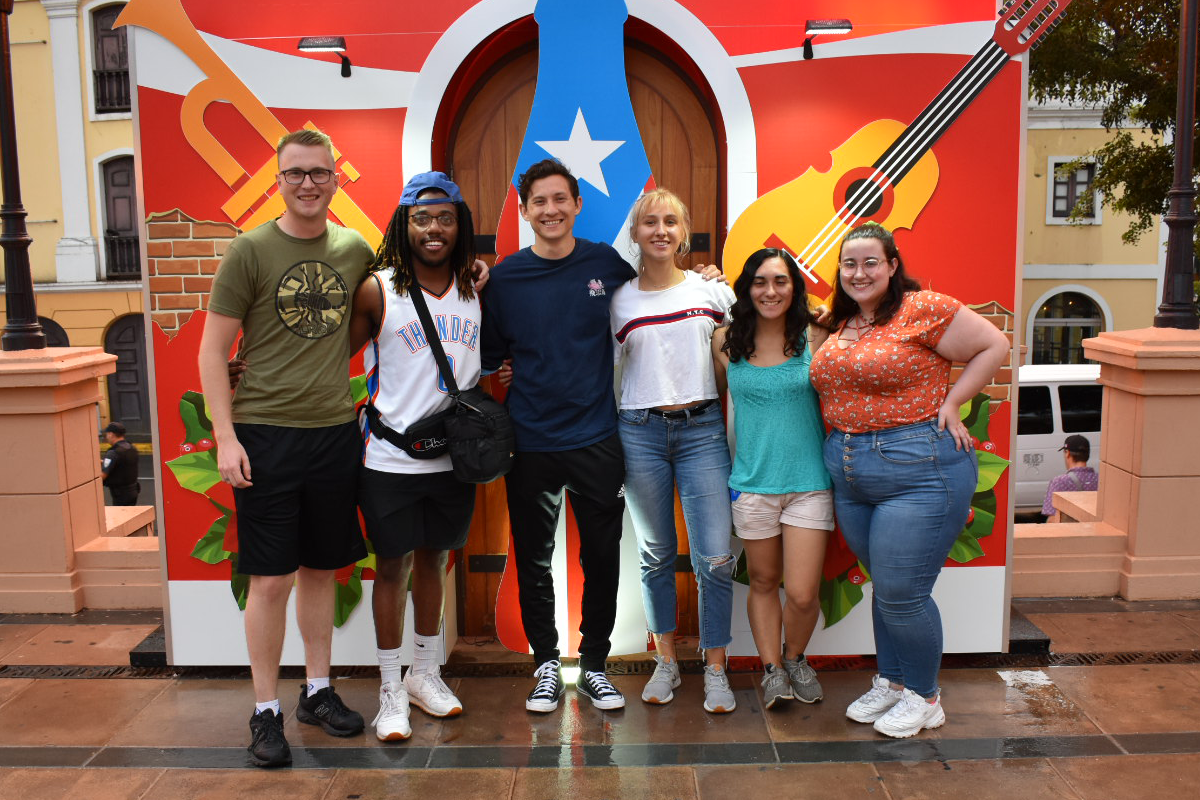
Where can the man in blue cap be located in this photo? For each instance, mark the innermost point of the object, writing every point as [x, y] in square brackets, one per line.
[415, 510]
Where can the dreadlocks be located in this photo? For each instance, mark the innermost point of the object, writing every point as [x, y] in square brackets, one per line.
[395, 251]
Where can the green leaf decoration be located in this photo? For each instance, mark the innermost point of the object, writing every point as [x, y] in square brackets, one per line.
[347, 597]
[239, 584]
[976, 414]
[211, 547]
[991, 467]
[197, 471]
[358, 388]
[195, 417]
[966, 548]
[838, 597]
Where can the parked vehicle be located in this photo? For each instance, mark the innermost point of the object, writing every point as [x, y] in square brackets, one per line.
[1054, 401]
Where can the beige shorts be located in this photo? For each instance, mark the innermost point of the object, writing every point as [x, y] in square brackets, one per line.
[761, 516]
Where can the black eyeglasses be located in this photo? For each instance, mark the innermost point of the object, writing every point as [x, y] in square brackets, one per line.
[423, 221]
[318, 176]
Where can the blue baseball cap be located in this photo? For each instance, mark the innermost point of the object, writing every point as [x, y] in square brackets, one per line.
[430, 180]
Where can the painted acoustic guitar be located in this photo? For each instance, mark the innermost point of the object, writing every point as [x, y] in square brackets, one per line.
[864, 183]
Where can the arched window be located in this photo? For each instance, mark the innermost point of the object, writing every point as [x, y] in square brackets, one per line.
[55, 335]
[1061, 325]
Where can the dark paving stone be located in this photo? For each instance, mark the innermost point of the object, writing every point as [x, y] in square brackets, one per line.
[1160, 742]
[152, 651]
[237, 757]
[1095, 605]
[45, 756]
[1024, 636]
[931, 749]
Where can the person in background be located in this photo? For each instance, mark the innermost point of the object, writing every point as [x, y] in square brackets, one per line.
[119, 466]
[901, 459]
[1079, 477]
[673, 434]
[782, 504]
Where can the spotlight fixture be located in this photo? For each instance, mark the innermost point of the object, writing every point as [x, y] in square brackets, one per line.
[813, 27]
[327, 44]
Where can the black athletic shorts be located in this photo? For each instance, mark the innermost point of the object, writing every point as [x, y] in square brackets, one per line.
[406, 512]
[301, 511]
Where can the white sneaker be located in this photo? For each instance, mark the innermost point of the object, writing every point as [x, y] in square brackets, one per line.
[911, 715]
[875, 703]
[661, 687]
[391, 723]
[430, 693]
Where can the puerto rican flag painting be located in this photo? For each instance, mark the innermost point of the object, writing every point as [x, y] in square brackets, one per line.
[582, 116]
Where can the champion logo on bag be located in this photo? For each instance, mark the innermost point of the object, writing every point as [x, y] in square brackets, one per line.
[428, 444]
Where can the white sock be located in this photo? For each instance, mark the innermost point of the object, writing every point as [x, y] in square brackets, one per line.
[317, 684]
[425, 651]
[271, 704]
[389, 665]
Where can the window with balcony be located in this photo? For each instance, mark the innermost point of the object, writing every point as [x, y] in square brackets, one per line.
[122, 258]
[110, 59]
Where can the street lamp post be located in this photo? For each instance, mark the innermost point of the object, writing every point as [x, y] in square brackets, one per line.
[1178, 309]
[22, 331]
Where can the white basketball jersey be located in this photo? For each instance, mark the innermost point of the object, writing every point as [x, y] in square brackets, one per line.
[402, 375]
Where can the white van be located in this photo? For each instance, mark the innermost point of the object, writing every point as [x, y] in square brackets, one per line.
[1055, 401]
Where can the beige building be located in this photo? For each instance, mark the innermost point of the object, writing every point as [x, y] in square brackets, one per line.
[1080, 279]
[75, 140]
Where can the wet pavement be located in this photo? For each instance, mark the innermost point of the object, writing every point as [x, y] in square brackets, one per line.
[1111, 711]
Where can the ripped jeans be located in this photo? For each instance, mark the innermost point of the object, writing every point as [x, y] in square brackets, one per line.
[691, 452]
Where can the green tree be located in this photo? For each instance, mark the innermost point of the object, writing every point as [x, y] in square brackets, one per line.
[1120, 56]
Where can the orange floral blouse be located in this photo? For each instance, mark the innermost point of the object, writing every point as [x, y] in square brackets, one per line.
[892, 376]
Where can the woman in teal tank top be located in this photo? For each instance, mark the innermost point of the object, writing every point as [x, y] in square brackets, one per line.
[782, 502]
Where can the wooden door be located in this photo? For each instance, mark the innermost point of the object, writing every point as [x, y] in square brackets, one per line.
[681, 145]
[128, 393]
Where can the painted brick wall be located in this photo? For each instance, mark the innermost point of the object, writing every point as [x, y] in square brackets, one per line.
[182, 255]
[1000, 388]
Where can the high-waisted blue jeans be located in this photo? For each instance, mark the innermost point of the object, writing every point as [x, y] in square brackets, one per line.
[692, 453]
[902, 496]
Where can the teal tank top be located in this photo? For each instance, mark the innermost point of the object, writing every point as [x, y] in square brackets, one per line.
[777, 422]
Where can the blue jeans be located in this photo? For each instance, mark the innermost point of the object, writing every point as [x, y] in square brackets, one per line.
[690, 452]
[902, 496]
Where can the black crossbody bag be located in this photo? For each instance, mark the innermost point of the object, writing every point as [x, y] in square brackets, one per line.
[476, 430]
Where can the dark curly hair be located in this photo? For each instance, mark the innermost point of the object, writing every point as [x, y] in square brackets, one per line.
[844, 307]
[544, 169]
[739, 339]
[395, 250]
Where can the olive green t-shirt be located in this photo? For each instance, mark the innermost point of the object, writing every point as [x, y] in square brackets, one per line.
[294, 298]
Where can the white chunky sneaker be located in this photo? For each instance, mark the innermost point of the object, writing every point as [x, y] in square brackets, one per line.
[660, 689]
[911, 715]
[718, 696]
[875, 703]
[391, 723]
[430, 693]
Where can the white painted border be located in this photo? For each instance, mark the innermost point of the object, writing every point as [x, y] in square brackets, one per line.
[89, 50]
[1095, 272]
[1053, 220]
[100, 207]
[1105, 310]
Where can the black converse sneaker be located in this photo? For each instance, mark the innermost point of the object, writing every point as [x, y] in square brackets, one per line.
[596, 687]
[544, 696]
[326, 709]
[267, 747]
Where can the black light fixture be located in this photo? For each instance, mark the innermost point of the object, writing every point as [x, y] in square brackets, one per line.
[327, 44]
[813, 27]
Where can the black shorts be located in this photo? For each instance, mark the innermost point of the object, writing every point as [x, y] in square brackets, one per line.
[406, 512]
[301, 511]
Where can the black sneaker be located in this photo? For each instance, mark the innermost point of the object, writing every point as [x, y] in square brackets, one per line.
[596, 687]
[544, 696]
[267, 747]
[326, 709]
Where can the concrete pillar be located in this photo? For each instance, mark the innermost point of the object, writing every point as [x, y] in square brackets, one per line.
[1150, 469]
[51, 501]
[76, 254]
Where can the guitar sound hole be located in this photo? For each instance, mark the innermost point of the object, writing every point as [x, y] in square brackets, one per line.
[864, 198]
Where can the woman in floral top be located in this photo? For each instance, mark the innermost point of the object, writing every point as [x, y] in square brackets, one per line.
[901, 460]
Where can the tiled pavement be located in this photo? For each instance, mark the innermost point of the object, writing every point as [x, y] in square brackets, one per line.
[1112, 712]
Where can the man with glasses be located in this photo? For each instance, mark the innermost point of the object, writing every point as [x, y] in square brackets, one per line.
[415, 510]
[287, 286]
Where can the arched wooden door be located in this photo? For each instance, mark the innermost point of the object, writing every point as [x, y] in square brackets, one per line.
[681, 145]
[128, 395]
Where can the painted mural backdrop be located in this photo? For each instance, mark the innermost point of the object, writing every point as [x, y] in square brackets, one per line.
[913, 120]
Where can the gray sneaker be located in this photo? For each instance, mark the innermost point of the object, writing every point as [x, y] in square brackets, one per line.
[805, 686]
[663, 682]
[775, 686]
[718, 697]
